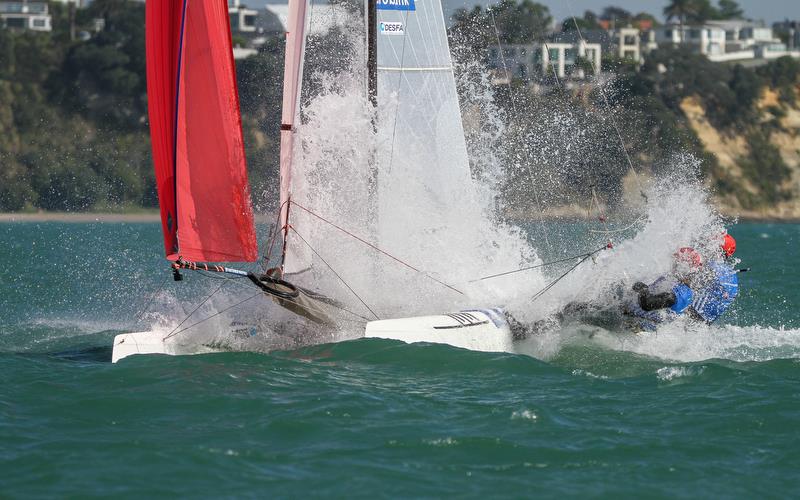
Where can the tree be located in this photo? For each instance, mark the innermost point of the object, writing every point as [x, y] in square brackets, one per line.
[644, 16]
[616, 15]
[701, 11]
[522, 22]
[585, 23]
[729, 9]
[679, 9]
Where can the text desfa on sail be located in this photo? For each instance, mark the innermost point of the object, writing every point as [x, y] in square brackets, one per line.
[387, 28]
[395, 4]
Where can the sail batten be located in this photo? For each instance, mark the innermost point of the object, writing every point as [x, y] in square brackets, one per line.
[430, 68]
[196, 133]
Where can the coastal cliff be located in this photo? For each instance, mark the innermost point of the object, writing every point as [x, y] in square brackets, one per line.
[757, 167]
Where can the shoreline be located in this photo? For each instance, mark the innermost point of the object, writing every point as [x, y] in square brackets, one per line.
[80, 217]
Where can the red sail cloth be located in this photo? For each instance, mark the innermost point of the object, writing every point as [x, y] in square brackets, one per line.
[200, 159]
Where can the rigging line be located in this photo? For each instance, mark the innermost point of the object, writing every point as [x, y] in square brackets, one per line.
[603, 218]
[345, 231]
[170, 334]
[608, 106]
[246, 284]
[516, 114]
[565, 259]
[173, 333]
[555, 71]
[150, 300]
[334, 272]
[553, 283]
[276, 229]
[399, 86]
[639, 220]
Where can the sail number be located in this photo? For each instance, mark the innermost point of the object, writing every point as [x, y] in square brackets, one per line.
[396, 4]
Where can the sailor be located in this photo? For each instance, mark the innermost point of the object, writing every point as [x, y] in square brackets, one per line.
[720, 288]
[669, 296]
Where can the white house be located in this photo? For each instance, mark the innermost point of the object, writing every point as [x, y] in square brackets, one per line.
[627, 42]
[243, 20]
[705, 39]
[525, 60]
[25, 15]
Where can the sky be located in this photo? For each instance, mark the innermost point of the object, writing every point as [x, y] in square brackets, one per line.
[767, 10]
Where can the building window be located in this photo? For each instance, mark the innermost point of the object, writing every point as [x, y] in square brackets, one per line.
[553, 55]
[249, 21]
[16, 22]
[570, 55]
[11, 7]
[694, 33]
[37, 8]
[629, 40]
[629, 54]
[39, 23]
[668, 33]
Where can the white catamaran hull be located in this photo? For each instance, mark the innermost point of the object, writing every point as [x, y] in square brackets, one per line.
[478, 330]
[128, 344]
[483, 330]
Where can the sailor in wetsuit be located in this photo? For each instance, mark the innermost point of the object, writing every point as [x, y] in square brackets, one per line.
[667, 297]
[721, 286]
[704, 293]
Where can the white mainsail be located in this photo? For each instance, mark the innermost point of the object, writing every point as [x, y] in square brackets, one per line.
[422, 151]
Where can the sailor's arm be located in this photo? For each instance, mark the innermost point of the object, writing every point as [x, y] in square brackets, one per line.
[649, 301]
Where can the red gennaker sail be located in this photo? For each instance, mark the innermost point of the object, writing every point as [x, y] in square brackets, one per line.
[196, 133]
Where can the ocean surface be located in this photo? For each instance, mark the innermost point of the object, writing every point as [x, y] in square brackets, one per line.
[713, 417]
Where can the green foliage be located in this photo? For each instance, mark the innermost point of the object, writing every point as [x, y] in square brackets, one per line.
[585, 23]
[746, 86]
[103, 79]
[617, 15]
[700, 11]
[675, 73]
[764, 168]
[517, 22]
[678, 9]
[782, 72]
[729, 9]
[656, 126]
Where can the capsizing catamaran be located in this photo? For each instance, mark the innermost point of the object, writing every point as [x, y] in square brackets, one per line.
[199, 160]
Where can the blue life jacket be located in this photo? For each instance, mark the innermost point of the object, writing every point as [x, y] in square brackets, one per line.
[683, 298]
[714, 299]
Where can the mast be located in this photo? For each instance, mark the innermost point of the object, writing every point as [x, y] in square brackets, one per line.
[372, 52]
[292, 83]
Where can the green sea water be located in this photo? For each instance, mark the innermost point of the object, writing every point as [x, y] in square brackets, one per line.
[373, 418]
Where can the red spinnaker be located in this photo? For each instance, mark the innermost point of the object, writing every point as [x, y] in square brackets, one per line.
[196, 133]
